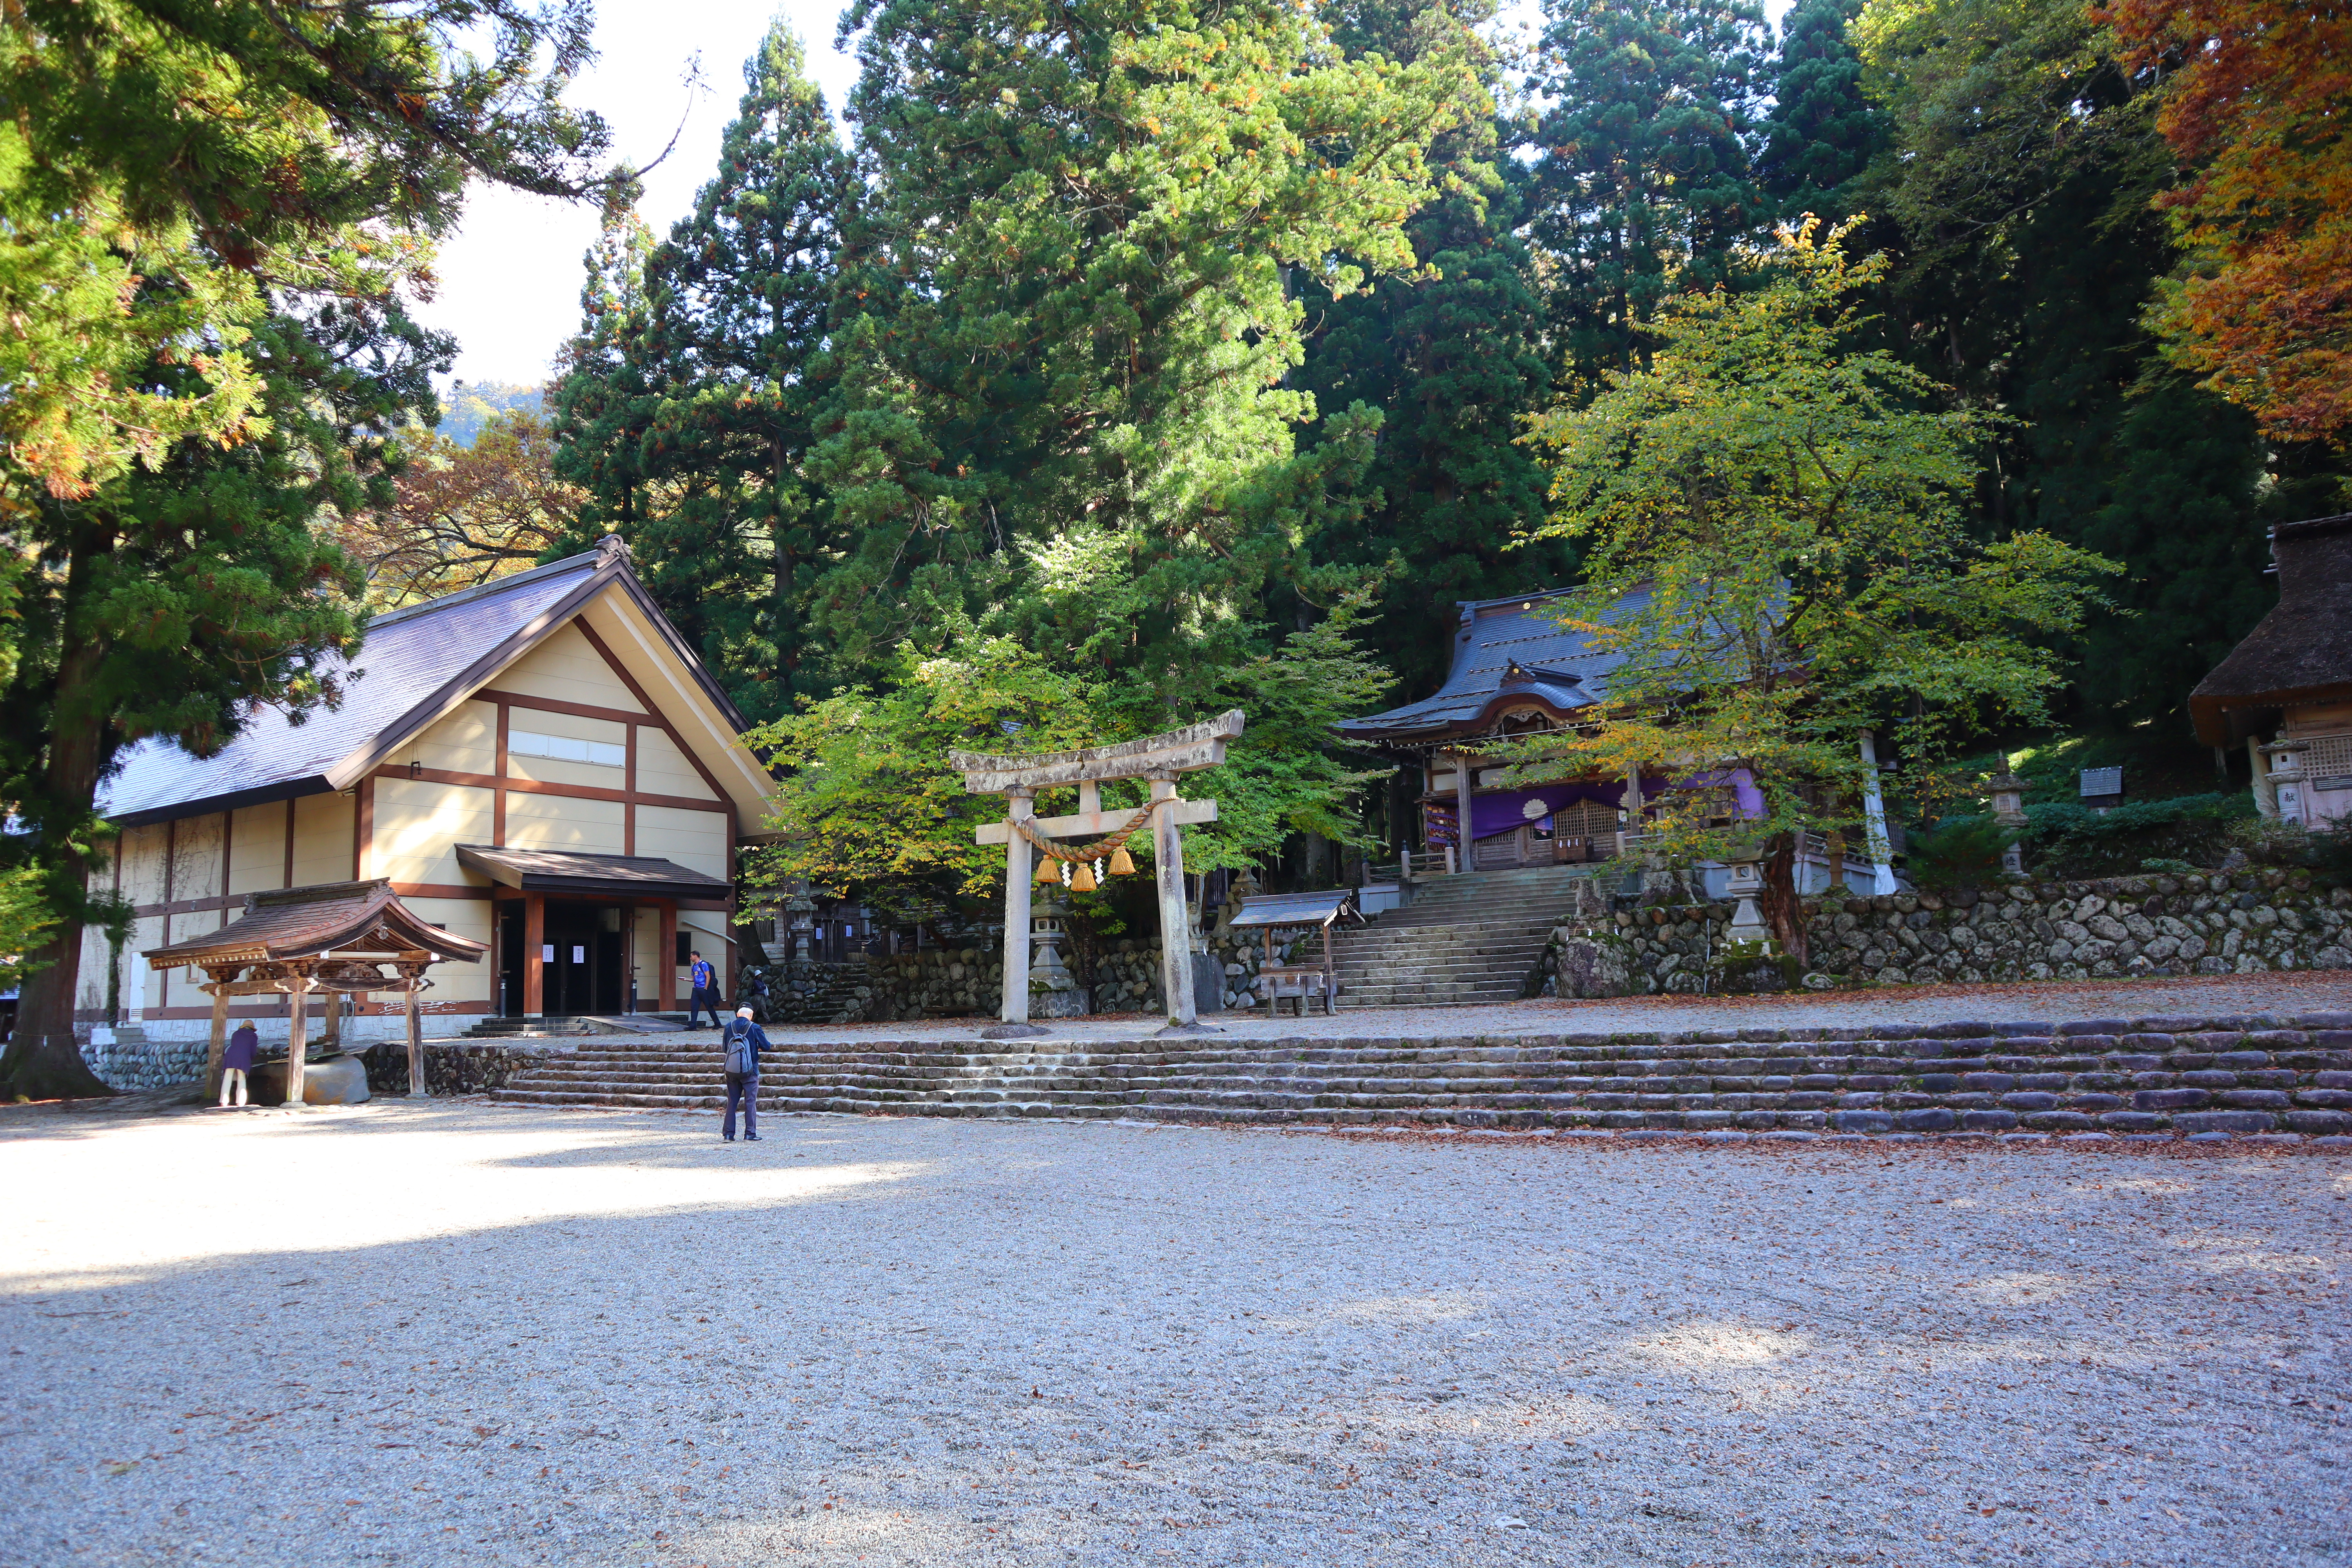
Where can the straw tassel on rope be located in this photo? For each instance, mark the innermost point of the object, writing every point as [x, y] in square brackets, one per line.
[1122, 864]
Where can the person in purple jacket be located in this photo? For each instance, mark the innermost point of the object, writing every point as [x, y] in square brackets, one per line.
[236, 1060]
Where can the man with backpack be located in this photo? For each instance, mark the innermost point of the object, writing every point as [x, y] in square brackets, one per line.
[742, 1040]
[706, 992]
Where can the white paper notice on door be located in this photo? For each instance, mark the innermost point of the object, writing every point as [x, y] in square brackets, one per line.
[579, 955]
[547, 953]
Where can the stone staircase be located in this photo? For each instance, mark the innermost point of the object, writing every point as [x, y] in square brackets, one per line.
[2222, 1075]
[1461, 939]
[583, 1023]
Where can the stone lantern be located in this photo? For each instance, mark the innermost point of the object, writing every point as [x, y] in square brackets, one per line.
[1745, 883]
[800, 912]
[1054, 991]
[2008, 792]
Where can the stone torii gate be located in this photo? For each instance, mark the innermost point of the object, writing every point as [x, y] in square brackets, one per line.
[1162, 759]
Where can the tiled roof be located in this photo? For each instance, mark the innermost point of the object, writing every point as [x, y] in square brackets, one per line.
[1503, 650]
[563, 870]
[413, 665]
[301, 922]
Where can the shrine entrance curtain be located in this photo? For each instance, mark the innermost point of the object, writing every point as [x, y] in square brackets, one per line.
[1505, 811]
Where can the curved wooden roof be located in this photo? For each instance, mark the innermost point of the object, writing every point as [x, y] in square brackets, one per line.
[350, 919]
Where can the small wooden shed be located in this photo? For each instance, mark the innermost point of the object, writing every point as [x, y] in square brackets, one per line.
[1274, 911]
[347, 939]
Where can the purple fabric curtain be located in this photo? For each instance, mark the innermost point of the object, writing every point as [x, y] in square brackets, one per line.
[1503, 811]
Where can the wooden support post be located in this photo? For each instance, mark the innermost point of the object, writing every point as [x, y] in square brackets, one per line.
[1175, 930]
[219, 988]
[1020, 806]
[534, 941]
[297, 1035]
[666, 961]
[1330, 976]
[415, 1039]
[1465, 861]
[1626, 835]
[333, 1036]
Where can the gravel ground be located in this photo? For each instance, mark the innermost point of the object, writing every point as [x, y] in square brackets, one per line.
[2293, 992]
[451, 1333]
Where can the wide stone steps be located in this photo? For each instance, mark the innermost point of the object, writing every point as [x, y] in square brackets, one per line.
[2214, 1077]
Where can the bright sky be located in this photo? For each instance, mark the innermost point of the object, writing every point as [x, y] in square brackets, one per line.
[510, 277]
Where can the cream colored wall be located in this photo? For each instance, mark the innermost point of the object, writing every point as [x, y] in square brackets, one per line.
[457, 985]
[561, 822]
[662, 769]
[467, 741]
[323, 829]
[418, 826]
[695, 839]
[257, 848]
[565, 668]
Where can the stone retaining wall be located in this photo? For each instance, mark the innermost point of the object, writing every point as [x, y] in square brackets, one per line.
[2202, 924]
[150, 1064]
[453, 1066]
[954, 982]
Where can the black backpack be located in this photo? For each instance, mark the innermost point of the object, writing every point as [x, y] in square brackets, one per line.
[742, 1060]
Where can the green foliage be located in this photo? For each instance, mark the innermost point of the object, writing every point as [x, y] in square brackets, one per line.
[470, 408]
[271, 181]
[2025, 161]
[737, 305]
[2271, 841]
[1822, 131]
[1063, 370]
[868, 804]
[1451, 356]
[1643, 188]
[1776, 548]
[1964, 852]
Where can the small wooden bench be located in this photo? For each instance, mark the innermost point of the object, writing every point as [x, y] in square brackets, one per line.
[1302, 981]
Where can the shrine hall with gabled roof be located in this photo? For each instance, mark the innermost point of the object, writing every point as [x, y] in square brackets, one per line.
[1518, 670]
[540, 765]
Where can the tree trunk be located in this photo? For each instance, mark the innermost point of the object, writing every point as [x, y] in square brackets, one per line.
[1783, 912]
[44, 1060]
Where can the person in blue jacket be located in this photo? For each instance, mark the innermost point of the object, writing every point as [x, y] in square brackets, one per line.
[706, 993]
[742, 1040]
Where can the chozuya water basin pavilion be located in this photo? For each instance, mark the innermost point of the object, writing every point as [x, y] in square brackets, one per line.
[1517, 671]
[346, 940]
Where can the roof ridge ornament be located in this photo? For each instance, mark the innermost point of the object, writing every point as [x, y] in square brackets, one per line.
[612, 546]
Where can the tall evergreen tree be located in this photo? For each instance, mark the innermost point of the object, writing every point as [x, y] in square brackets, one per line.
[1075, 310]
[1822, 131]
[1450, 355]
[317, 157]
[738, 300]
[1644, 185]
[603, 403]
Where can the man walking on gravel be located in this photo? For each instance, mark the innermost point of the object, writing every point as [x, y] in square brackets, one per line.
[705, 994]
[742, 1040]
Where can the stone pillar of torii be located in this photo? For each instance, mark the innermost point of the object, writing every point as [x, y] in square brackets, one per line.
[1161, 758]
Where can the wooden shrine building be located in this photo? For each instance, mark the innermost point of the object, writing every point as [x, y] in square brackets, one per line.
[1517, 671]
[2285, 691]
[538, 765]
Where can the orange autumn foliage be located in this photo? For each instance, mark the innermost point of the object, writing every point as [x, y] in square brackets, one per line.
[2256, 107]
